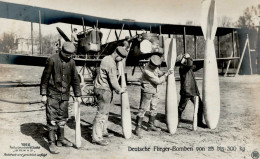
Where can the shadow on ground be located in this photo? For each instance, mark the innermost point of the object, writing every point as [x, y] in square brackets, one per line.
[86, 128]
[38, 132]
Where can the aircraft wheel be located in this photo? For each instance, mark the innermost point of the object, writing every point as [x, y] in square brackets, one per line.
[88, 97]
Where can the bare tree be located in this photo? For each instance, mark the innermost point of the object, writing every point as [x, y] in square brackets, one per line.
[250, 17]
[7, 42]
[225, 21]
[48, 43]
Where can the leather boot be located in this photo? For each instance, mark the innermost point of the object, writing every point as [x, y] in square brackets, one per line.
[200, 115]
[139, 121]
[61, 139]
[151, 126]
[179, 123]
[52, 146]
[179, 119]
[101, 142]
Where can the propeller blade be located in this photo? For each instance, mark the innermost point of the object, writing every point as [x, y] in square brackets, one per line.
[63, 35]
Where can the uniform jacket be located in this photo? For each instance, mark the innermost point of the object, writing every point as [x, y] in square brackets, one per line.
[58, 75]
[188, 82]
[151, 78]
[107, 76]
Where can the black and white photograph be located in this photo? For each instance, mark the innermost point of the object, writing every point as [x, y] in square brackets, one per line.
[124, 79]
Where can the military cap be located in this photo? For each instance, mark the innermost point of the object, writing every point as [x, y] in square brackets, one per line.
[121, 51]
[179, 58]
[186, 55]
[156, 60]
[68, 47]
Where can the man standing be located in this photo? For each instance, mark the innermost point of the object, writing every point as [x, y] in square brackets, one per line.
[58, 75]
[105, 82]
[151, 78]
[189, 89]
[74, 37]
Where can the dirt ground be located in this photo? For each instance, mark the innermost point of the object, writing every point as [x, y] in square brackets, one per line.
[24, 135]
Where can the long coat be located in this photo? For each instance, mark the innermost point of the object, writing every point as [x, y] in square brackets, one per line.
[189, 86]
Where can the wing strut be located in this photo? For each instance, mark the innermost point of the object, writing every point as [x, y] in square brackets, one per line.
[121, 30]
[83, 25]
[117, 38]
[232, 54]
[40, 31]
[243, 53]
[130, 33]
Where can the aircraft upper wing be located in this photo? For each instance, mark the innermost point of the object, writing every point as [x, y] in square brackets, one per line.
[50, 16]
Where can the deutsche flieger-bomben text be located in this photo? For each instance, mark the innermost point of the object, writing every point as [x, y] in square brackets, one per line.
[161, 149]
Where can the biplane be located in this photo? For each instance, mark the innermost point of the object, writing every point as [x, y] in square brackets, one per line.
[90, 50]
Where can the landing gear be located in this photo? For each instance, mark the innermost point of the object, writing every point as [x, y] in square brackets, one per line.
[87, 77]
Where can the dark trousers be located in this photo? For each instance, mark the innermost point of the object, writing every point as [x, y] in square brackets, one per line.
[56, 113]
[183, 102]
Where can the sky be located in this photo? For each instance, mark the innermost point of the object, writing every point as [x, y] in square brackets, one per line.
[160, 11]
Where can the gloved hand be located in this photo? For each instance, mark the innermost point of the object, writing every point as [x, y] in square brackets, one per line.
[169, 72]
[78, 99]
[184, 60]
[44, 99]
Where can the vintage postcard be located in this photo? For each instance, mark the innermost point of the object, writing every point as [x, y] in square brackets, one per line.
[129, 79]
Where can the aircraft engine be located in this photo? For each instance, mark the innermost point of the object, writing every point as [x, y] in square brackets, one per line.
[89, 43]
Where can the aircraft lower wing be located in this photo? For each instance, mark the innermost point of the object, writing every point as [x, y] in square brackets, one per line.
[15, 59]
[200, 62]
[28, 60]
[197, 62]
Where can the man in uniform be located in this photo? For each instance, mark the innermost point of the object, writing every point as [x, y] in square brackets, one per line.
[105, 83]
[151, 78]
[58, 75]
[189, 89]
